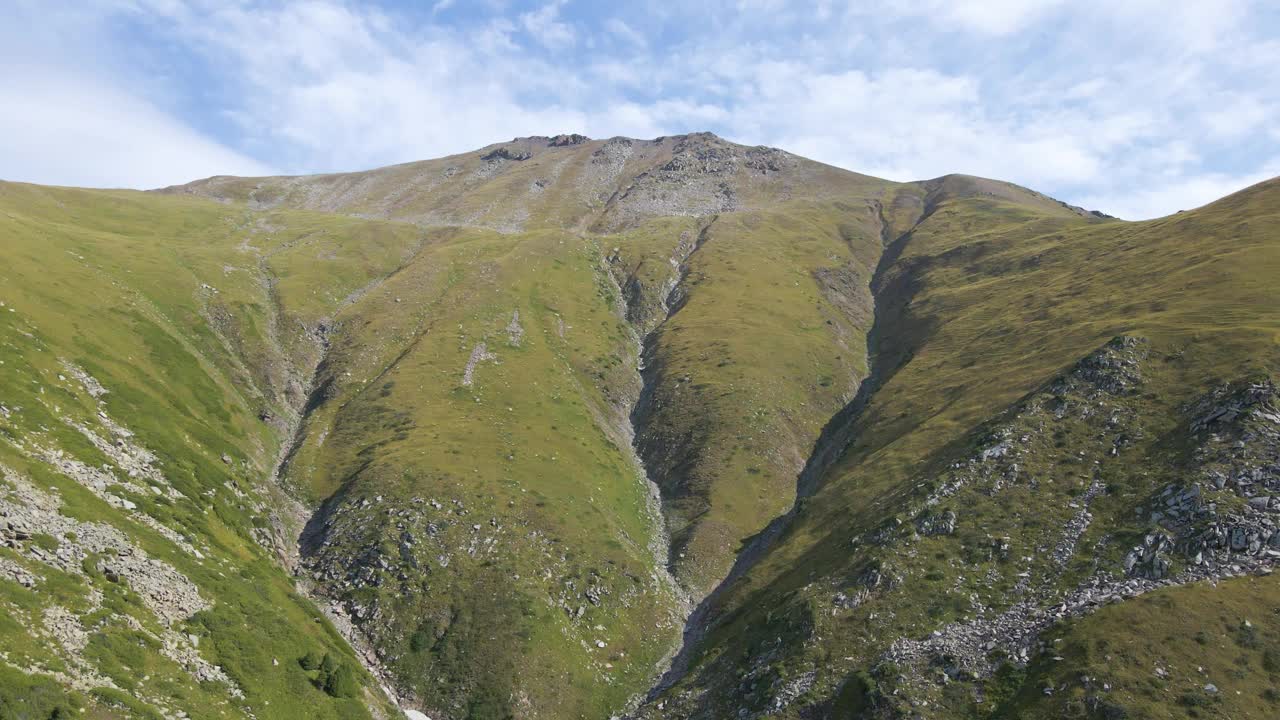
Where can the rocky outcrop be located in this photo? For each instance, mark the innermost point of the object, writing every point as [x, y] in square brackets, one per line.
[567, 140]
[1221, 526]
[704, 175]
[505, 153]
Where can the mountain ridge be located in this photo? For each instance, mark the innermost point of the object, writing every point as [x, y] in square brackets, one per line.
[490, 401]
[656, 155]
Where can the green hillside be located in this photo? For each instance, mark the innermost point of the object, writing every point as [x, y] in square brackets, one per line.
[572, 428]
[150, 349]
[1008, 459]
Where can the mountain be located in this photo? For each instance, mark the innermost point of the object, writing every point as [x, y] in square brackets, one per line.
[573, 428]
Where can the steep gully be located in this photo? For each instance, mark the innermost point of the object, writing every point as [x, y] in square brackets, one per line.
[635, 312]
[298, 530]
[835, 437]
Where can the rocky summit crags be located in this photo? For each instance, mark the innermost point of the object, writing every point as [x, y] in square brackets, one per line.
[673, 428]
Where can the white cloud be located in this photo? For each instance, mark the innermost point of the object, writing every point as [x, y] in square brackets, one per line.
[1061, 97]
[61, 130]
[332, 88]
[1164, 197]
[545, 27]
[992, 17]
[624, 31]
[1238, 115]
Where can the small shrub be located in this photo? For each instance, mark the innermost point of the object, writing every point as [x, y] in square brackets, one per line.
[310, 661]
[1194, 699]
[1271, 660]
[342, 683]
[1246, 636]
[421, 639]
[859, 694]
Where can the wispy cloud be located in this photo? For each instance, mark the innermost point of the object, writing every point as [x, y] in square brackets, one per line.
[545, 27]
[622, 30]
[88, 134]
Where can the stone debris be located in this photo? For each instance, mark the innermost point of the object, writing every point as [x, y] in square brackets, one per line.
[936, 524]
[567, 140]
[91, 386]
[968, 646]
[597, 180]
[1113, 369]
[709, 174]
[182, 649]
[505, 153]
[1065, 548]
[64, 626]
[515, 332]
[99, 480]
[25, 511]
[135, 461]
[1149, 560]
[82, 547]
[792, 689]
[1225, 406]
[10, 570]
[1195, 539]
[479, 354]
[66, 630]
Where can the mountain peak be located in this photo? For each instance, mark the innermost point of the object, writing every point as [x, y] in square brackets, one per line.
[573, 180]
[565, 180]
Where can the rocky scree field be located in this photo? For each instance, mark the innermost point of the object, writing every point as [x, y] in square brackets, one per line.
[574, 428]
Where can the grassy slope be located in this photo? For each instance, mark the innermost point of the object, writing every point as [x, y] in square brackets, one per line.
[976, 313]
[537, 449]
[465, 525]
[769, 339]
[765, 341]
[1221, 658]
[498, 506]
[544, 428]
[112, 282]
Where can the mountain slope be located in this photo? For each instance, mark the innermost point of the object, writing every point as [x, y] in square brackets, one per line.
[522, 414]
[567, 428]
[143, 338]
[1010, 467]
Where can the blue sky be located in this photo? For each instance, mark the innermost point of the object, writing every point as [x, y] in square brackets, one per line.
[1135, 107]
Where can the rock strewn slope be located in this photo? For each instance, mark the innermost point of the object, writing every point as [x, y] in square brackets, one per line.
[967, 528]
[148, 347]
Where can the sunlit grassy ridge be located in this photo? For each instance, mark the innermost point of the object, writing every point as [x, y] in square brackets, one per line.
[984, 303]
